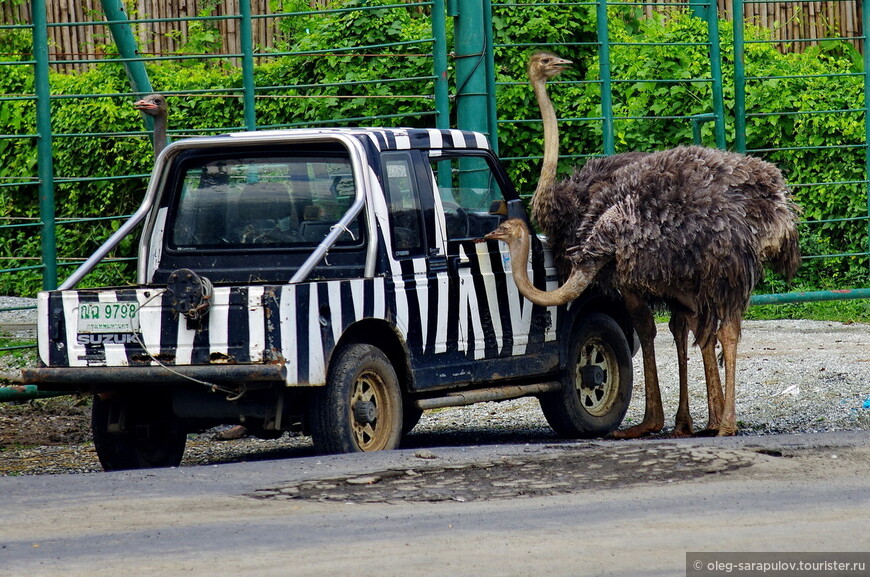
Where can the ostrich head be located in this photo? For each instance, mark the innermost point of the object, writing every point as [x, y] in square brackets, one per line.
[515, 233]
[152, 105]
[155, 105]
[545, 65]
[510, 232]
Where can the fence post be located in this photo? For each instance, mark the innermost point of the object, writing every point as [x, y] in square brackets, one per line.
[607, 137]
[119, 26]
[45, 164]
[739, 79]
[246, 38]
[471, 96]
[712, 15]
[439, 52]
[865, 26]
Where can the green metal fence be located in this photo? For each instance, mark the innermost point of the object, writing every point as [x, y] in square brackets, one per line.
[462, 66]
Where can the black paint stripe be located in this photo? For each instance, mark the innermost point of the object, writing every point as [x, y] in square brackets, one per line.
[239, 336]
[302, 326]
[325, 310]
[348, 306]
[58, 349]
[168, 328]
[412, 296]
[368, 304]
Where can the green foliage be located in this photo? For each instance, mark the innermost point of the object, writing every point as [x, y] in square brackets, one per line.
[368, 62]
[203, 36]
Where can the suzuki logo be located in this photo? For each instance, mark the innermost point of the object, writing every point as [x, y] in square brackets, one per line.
[106, 338]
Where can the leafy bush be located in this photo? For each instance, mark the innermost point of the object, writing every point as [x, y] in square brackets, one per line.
[368, 66]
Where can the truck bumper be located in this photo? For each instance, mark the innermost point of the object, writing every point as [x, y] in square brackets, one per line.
[102, 378]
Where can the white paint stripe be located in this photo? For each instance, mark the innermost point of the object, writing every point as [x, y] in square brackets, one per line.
[218, 322]
[42, 327]
[443, 309]
[335, 311]
[435, 138]
[403, 141]
[184, 350]
[421, 293]
[256, 323]
[357, 291]
[116, 354]
[380, 308]
[70, 303]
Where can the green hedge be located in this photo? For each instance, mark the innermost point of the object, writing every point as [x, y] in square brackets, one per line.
[567, 29]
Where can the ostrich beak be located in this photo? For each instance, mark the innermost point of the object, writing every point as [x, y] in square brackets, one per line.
[144, 105]
[562, 64]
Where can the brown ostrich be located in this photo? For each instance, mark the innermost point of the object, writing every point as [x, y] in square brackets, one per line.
[155, 106]
[553, 200]
[688, 228]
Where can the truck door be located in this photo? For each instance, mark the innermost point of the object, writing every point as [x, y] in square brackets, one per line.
[493, 320]
[418, 259]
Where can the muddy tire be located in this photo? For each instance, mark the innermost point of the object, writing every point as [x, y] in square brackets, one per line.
[596, 385]
[136, 433]
[360, 409]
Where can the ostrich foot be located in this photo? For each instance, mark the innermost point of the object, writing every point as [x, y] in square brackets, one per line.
[641, 430]
[728, 428]
[682, 430]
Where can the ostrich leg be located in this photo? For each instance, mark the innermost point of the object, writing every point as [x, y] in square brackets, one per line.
[715, 401]
[679, 326]
[729, 333]
[644, 324]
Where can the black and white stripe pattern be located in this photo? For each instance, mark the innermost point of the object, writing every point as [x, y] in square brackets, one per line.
[473, 313]
[302, 323]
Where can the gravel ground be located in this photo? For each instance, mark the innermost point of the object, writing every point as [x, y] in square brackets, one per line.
[794, 376]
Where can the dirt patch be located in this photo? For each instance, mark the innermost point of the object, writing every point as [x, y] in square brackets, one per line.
[56, 421]
[563, 470]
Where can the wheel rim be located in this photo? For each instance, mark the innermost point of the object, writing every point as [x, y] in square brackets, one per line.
[370, 412]
[596, 377]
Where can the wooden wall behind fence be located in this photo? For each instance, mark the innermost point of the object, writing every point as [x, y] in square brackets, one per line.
[788, 20]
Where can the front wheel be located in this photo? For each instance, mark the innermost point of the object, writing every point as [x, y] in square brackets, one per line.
[596, 386]
[360, 409]
[138, 432]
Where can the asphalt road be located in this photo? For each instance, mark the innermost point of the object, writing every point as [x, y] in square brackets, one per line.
[594, 508]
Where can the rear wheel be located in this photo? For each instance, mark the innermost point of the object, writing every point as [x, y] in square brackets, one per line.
[596, 386]
[138, 432]
[360, 409]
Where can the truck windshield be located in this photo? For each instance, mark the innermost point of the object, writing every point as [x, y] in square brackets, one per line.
[263, 201]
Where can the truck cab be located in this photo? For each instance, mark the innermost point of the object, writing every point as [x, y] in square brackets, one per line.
[332, 281]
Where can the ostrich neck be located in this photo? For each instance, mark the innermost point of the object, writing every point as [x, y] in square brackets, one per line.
[159, 135]
[544, 191]
[573, 287]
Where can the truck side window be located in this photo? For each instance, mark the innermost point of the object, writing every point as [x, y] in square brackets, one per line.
[472, 199]
[404, 205]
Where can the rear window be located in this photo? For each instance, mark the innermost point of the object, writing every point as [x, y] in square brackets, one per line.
[270, 201]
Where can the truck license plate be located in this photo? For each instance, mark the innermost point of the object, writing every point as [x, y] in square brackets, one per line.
[121, 317]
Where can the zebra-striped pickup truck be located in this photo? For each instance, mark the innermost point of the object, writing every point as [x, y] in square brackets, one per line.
[331, 281]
